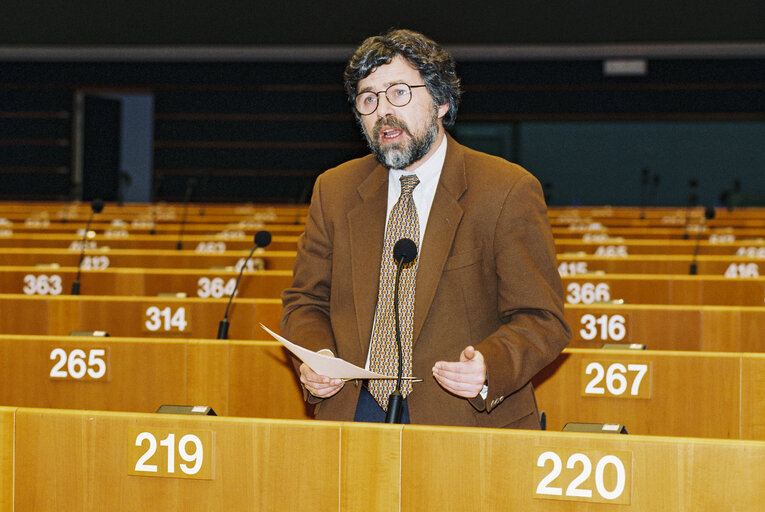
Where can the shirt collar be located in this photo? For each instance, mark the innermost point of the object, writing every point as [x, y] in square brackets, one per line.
[429, 171]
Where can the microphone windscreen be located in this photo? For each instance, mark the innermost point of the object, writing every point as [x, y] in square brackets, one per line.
[97, 205]
[262, 238]
[405, 249]
[709, 212]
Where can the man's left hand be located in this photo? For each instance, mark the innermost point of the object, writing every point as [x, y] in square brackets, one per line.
[464, 378]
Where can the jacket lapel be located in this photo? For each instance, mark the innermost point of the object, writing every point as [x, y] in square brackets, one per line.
[443, 220]
[367, 230]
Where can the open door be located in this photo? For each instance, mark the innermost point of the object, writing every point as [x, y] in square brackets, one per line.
[101, 148]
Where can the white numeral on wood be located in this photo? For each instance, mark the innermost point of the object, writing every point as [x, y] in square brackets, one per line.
[156, 453]
[42, 284]
[76, 364]
[215, 288]
[603, 327]
[587, 293]
[165, 319]
[611, 474]
[614, 376]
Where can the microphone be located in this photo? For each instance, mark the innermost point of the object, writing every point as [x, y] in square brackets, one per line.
[96, 206]
[190, 184]
[262, 239]
[709, 213]
[405, 251]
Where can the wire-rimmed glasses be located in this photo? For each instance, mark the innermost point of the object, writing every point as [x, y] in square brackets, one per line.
[398, 95]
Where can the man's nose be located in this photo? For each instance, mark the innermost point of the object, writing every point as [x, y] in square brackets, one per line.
[384, 107]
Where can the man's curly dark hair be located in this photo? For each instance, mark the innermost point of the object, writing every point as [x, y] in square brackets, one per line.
[434, 64]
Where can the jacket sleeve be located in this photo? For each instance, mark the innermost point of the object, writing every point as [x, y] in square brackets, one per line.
[529, 295]
[305, 304]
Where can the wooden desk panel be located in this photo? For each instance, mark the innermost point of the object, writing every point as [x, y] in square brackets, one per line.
[7, 415]
[142, 374]
[129, 316]
[271, 465]
[259, 465]
[584, 288]
[252, 379]
[144, 258]
[668, 327]
[262, 382]
[282, 226]
[753, 398]
[697, 394]
[137, 282]
[656, 232]
[677, 264]
[637, 247]
[157, 242]
[677, 474]
[658, 289]
[568, 264]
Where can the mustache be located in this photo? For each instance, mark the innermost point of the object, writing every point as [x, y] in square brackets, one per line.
[393, 123]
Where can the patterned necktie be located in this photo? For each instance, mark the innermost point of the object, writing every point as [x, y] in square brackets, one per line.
[402, 223]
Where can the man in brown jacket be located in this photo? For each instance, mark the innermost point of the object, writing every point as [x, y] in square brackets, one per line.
[488, 301]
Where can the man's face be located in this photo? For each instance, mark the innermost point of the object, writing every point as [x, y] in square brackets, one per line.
[401, 137]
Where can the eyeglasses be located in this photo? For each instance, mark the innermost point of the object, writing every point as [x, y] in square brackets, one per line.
[398, 95]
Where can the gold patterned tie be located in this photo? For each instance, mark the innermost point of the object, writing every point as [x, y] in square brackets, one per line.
[402, 223]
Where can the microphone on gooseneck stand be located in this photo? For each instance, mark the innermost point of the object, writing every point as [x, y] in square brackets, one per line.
[96, 206]
[405, 251]
[190, 184]
[262, 239]
[709, 213]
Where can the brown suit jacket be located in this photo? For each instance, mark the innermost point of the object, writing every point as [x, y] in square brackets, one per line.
[487, 277]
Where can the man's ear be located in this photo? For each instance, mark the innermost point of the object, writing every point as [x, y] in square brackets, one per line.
[442, 110]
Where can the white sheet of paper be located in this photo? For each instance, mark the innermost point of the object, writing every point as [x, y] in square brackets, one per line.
[327, 365]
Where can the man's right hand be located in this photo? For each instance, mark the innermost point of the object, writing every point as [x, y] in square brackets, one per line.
[319, 386]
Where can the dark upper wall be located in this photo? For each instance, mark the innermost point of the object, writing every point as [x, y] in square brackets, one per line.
[248, 126]
[497, 22]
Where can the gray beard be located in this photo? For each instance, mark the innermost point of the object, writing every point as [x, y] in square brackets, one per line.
[401, 156]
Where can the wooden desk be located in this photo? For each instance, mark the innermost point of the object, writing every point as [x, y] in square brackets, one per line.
[7, 416]
[235, 378]
[271, 465]
[568, 264]
[659, 327]
[697, 394]
[198, 243]
[676, 394]
[137, 316]
[146, 258]
[116, 227]
[621, 247]
[678, 264]
[19, 211]
[664, 233]
[579, 289]
[664, 289]
[142, 282]
[663, 327]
